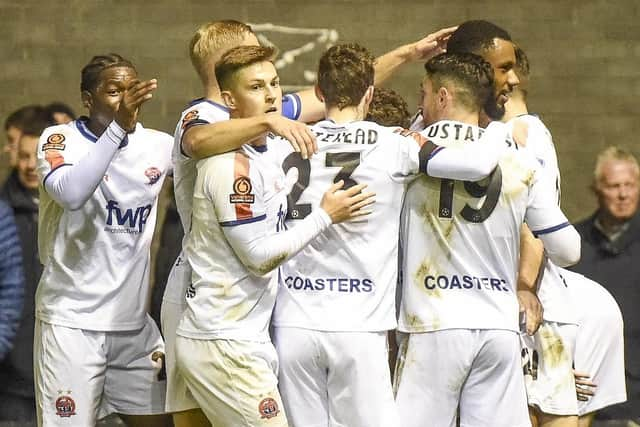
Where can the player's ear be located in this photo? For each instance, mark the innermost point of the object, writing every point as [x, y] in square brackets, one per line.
[228, 99]
[318, 92]
[87, 99]
[443, 97]
[368, 95]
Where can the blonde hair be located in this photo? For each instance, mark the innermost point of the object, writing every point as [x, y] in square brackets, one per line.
[211, 41]
[613, 153]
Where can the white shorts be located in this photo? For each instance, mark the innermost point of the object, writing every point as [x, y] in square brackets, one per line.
[179, 398]
[477, 371]
[335, 379]
[547, 364]
[81, 376]
[599, 352]
[234, 382]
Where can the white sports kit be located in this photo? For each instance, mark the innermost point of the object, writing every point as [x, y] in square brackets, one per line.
[92, 333]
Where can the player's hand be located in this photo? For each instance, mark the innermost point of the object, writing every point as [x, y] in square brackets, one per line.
[298, 134]
[135, 95]
[342, 205]
[531, 306]
[584, 386]
[432, 45]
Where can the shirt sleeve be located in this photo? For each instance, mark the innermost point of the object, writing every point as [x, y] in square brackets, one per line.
[291, 106]
[11, 280]
[237, 193]
[547, 222]
[68, 177]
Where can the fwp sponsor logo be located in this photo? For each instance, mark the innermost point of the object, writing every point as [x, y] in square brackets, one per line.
[130, 221]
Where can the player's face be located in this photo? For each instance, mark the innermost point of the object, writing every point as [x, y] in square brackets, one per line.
[428, 102]
[502, 58]
[11, 147]
[256, 91]
[618, 189]
[26, 166]
[106, 97]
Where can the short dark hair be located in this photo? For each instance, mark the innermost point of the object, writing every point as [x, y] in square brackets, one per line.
[345, 72]
[388, 108]
[475, 37]
[238, 58]
[467, 74]
[23, 117]
[90, 74]
[522, 69]
[60, 107]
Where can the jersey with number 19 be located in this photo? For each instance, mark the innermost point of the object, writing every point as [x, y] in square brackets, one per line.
[461, 241]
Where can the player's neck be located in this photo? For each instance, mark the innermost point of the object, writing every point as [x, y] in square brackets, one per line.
[514, 107]
[346, 115]
[467, 117]
[213, 94]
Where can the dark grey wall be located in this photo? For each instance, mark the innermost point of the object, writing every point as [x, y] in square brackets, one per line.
[585, 56]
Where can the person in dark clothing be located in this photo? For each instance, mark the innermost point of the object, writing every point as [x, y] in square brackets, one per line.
[21, 192]
[611, 254]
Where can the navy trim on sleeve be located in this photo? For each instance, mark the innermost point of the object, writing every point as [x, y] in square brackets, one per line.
[427, 151]
[187, 126]
[44, 180]
[243, 221]
[551, 229]
[291, 106]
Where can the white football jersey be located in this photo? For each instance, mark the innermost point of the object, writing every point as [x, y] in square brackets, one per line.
[225, 299]
[553, 293]
[345, 279]
[201, 111]
[461, 240]
[96, 258]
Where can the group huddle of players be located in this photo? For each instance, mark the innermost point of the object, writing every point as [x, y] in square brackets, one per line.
[306, 245]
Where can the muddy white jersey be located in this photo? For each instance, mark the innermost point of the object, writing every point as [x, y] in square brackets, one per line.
[201, 111]
[225, 300]
[96, 258]
[460, 240]
[344, 280]
[529, 130]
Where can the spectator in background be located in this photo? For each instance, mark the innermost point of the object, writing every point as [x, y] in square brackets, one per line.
[11, 299]
[21, 192]
[610, 251]
[61, 112]
[13, 126]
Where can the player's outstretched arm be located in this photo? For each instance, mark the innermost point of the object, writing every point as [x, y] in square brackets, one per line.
[385, 66]
[530, 267]
[207, 140]
[261, 250]
[421, 50]
[71, 184]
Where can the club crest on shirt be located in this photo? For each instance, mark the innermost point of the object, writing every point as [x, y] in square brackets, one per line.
[54, 142]
[154, 174]
[268, 408]
[242, 191]
[65, 406]
[191, 115]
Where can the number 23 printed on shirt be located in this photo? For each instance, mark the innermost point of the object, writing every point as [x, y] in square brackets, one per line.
[346, 161]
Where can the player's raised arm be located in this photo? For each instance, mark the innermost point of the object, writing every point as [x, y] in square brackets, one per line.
[261, 251]
[313, 109]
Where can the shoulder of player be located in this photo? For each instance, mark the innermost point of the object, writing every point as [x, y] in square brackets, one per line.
[204, 109]
[58, 136]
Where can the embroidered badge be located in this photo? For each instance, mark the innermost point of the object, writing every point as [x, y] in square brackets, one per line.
[268, 408]
[242, 191]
